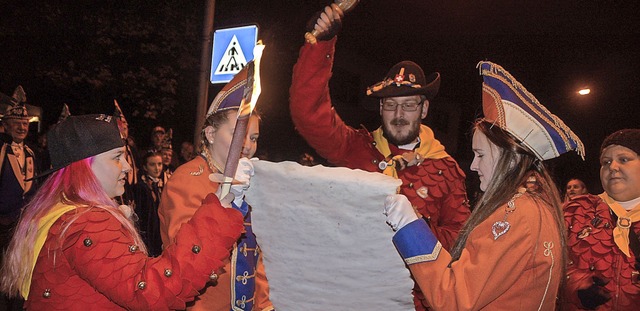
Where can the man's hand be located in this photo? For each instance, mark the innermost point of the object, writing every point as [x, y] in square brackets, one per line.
[326, 24]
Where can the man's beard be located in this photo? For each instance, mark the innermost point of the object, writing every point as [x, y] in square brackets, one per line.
[401, 140]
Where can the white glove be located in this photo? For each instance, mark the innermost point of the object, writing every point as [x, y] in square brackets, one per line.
[399, 211]
[241, 181]
[226, 201]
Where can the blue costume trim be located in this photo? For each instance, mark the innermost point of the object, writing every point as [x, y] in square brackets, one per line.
[244, 262]
[244, 208]
[416, 243]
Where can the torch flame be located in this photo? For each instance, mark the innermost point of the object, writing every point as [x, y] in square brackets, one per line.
[256, 89]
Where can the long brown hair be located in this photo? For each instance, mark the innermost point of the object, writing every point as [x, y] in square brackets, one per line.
[515, 165]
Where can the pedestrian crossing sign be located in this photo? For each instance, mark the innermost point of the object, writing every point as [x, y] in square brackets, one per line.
[232, 50]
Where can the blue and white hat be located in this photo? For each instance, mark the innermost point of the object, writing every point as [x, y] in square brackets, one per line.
[508, 104]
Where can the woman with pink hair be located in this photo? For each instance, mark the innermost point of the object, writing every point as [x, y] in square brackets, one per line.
[76, 249]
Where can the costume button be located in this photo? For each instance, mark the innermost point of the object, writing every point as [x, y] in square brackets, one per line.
[374, 143]
[47, 293]
[410, 185]
[382, 165]
[213, 276]
[133, 248]
[328, 56]
[592, 267]
[439, 172]
[195, 249]
[87, 242]
[142, 285]
[168, 272]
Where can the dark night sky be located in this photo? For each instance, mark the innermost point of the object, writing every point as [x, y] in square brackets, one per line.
[551, 47]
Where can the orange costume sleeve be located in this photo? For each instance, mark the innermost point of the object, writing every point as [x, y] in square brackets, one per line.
[520, 270]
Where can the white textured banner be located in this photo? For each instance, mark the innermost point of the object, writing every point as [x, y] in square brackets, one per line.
[324, 238]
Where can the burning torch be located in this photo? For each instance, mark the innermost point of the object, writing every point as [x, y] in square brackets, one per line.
[250, 97]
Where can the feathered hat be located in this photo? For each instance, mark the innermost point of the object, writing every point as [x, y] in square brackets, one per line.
[17, 110]
[64, 114]
[406, 78]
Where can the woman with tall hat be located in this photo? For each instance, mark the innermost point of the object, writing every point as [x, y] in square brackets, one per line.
[604, 249]
[76, 249]
[244, 285]
[510, 254]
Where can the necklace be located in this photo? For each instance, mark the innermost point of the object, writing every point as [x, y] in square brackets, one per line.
[213, 165]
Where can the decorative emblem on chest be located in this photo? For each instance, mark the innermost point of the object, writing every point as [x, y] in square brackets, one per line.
[501, 227]
[198, 172]
[422, 192]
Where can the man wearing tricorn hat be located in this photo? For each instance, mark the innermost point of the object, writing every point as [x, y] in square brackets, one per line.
[402, 147]
[18, 165]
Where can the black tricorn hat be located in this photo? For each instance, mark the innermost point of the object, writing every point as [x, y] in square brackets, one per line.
[406, 78]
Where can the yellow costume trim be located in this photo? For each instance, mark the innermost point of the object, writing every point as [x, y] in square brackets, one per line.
[430, 148]
[44, 225]
[625, 220]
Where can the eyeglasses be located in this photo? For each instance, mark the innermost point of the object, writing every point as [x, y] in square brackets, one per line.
[392, 106]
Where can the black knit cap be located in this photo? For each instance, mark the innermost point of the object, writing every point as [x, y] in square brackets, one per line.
[629, 138]
[80, 137]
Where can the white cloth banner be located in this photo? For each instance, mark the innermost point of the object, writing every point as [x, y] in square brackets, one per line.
[325, 242]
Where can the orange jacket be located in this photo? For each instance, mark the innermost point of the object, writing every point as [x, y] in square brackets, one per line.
[187, 186]
[521, 270]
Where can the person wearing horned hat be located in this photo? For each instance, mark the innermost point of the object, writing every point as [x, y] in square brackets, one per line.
[603, 230]
[75, 249]
[401, 147]
[244, 286]
[16, 170]
[511, 253]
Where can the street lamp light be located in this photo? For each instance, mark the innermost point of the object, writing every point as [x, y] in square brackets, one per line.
[584, 91]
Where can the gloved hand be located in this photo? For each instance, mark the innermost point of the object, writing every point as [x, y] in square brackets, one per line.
[226, 200]
[595, 295]
[241, 180]
[326, 23]
[399, 211]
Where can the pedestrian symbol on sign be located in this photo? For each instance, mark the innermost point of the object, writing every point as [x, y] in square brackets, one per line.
[233, 59]
[232, 50]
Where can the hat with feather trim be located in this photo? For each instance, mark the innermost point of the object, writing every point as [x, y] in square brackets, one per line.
[507, 104]
[231, 94]
[64, 114]
[118, 114]
[406, 78]
[17, 110]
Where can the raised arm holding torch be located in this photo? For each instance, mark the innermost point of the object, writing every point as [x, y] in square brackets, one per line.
[250, 98]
